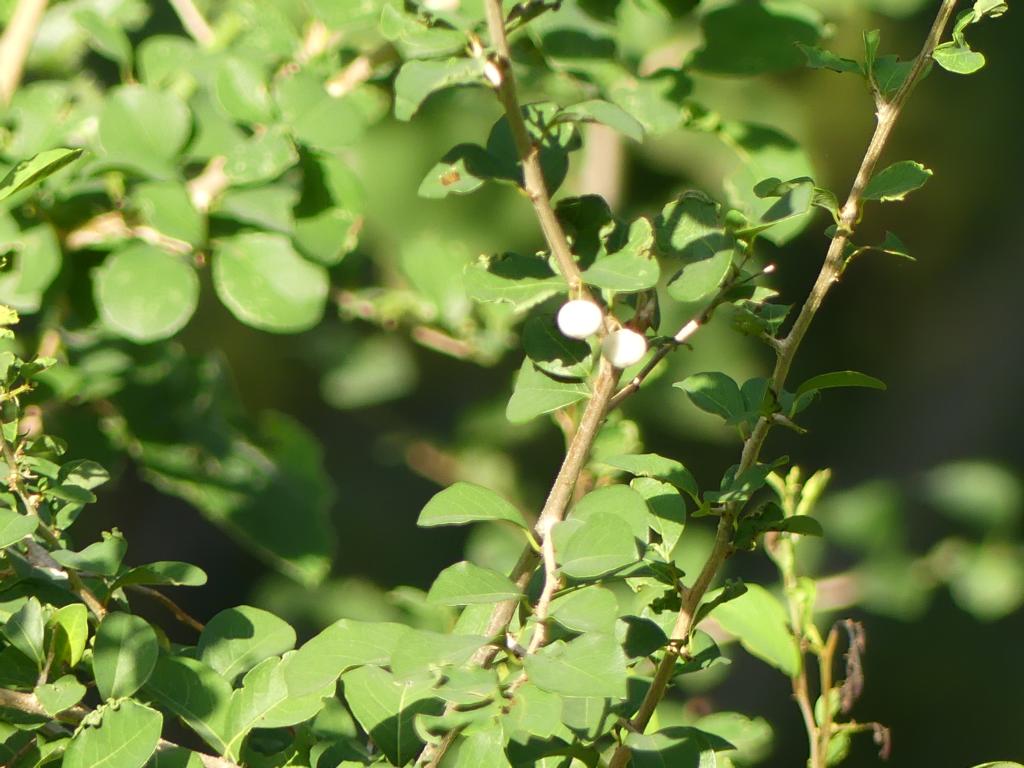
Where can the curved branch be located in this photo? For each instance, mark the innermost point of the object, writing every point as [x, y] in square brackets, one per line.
[16, 43]
[529, 153]
[887, 115]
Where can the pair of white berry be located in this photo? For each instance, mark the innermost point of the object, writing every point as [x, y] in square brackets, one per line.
[580, 318]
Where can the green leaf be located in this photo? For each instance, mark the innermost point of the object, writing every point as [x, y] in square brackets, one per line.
[555, 141]
[237, 639]
[715, 393]
[241, 90]
[70, 625]
[795, 199]
[536, 393]
[419, 650]
[466, 584]
[328, 216]
[103, 557]
[590, 609]
[463, 503]
[192, 691]
[987, 580]
[688, 227]
[534, 713]
[736, 488]
[105, 37]
[169, 573]
[167, 207]
[418, 79]
[986, 496]
[745, 38]
[316, 119]
[606, 113]
[143, 129]
[750, 738]
[162, 57]
[602, 544]
[668, 511]
[896, 181]
[591, 665]
[37, 262]
[35, 169]
[145, 293]
[344, 645]
[698, 280]
[632, 268]
[375, 369]
[264, 701]
[387, 708]
[818, 58]
[654, 100]
[120, 734]
[463, 169]
[24, 630]
[960, 60]
[519, 280]
[59, 695]
[481, 747]
[15, 526]
[415, 40]
[554, 353]
[675, 746]
[759, 621]
[658, 467]
[267, 285]
[764, 153]
[839, 379]
[260, 158]
[619, 500]
[124, 655]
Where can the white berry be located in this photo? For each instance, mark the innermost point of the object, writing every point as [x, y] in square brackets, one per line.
[624, 347]
[579, 318]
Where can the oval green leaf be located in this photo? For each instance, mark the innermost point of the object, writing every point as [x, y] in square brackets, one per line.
[144, 293]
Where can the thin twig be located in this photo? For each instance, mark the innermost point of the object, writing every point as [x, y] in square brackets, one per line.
[209, 184]
[685, 332]
[16, 43]
[176, 610]
[194, 22]
[358, 71]
[529, 154]
[553, 512]
[826, 659]
[887, 114]
[552, 583]
[112, 225]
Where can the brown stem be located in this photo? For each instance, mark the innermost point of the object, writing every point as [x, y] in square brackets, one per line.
[553, 511]
[193, 21]
[529, 155]
[176, 610]
[16, 44]
[786, 349]
[825, 662]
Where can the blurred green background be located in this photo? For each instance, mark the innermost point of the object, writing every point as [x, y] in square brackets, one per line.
[905, 513]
